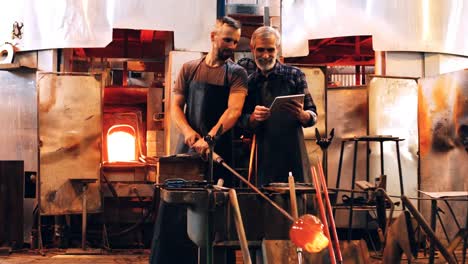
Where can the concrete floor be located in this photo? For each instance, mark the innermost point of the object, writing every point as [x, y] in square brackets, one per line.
[127, 257]
[59, 257]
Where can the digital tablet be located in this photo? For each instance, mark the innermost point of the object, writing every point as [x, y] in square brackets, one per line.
[279, 100]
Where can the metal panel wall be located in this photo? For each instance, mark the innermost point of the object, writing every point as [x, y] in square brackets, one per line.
[18, 108]
[83, 23]
[316, 83]
[393, 111]
[171, 132]
[11, 203]
[70, 131]
[398, 25]
[443, 140]
[347, 113]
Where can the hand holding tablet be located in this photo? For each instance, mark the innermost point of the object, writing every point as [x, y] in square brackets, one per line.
[280, 100]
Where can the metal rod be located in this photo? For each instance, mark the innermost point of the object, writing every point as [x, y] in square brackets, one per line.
[338, 176]
[330, 213]
[353, 181]
[429, 231]
[390, 216]
[209, 230]
[381, 158]
[292, 196]
[220, 160]
[443, 226]
[445, 232]
[251, 158]
[452, 213]
[210, 167]
[465, 242]
[294, 212]
[400, 174]
[323, 215]
[239, 227]
[340, 164]
[84, 218]
[368, 152]
[433, 228]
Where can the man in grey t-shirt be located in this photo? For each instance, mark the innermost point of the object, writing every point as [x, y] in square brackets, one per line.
[212, 90]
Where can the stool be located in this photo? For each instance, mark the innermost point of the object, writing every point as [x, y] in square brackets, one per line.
[380, 139]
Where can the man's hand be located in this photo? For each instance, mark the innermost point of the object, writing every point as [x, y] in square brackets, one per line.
[191, 137]
[201, 147]
[260, 113]
[296, 110]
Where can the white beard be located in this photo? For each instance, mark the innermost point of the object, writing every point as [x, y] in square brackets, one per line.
[266, 67]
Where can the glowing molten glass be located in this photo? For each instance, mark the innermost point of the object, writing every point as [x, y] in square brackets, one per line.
[307, 233]
[121, 143]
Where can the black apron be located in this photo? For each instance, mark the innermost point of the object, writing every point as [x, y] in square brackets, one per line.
[281, 146]
[205, 104]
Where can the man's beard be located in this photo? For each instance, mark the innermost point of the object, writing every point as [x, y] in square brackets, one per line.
[265, 64]
[224, 54]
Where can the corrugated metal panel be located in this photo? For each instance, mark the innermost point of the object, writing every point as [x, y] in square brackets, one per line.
[70, 131]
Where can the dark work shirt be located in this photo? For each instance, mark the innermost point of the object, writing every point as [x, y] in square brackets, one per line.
[280, 139]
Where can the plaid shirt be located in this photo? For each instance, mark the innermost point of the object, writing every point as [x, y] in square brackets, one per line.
[296, 84]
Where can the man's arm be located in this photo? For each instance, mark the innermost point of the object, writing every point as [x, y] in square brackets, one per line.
[305, 113]
[232, 113]
[190, 135]
[228, 120]
[238, 91]
[305, 117]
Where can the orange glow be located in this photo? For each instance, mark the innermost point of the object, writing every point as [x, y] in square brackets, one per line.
[307, 233]
[121, 143]
[425, 122]
[460, 108]
[440, 93]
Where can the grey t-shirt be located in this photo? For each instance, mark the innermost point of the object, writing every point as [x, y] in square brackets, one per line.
[237, 76]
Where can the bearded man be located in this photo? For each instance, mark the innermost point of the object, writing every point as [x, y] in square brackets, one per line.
[281, 147]
[212, 91]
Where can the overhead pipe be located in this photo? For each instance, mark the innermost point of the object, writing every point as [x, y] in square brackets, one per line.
[220, 8]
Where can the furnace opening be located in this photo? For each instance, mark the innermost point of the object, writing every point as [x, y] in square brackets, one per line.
[121, 143]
